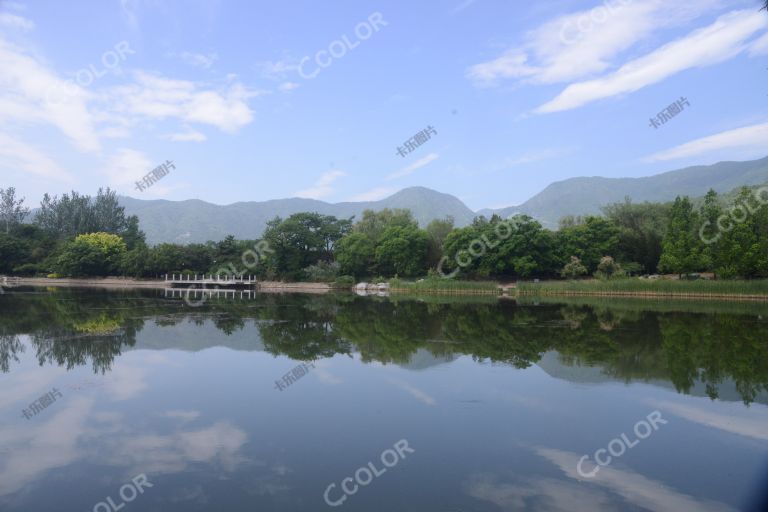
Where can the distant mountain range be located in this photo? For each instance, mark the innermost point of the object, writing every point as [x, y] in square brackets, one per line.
[198, 221]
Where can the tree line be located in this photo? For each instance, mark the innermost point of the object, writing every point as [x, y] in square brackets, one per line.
[78, 235]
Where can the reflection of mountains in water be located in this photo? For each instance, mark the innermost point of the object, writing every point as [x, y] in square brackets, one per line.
[551, 362]
[191, 336]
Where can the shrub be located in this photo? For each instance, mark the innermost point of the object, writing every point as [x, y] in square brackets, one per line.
[344, 282]
[323, 271]
[608, 268]
[574, 269]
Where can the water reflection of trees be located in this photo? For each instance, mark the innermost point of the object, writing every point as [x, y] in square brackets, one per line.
[73, 328]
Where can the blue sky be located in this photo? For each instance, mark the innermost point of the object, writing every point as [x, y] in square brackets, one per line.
[520, 93]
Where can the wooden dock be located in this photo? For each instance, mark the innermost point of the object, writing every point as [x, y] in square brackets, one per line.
[204, 281]
[201, 294]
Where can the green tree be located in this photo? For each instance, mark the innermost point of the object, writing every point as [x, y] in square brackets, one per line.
[356, 254]
[302, 240]
[681, 248]
[641, 231]
[93, 254]
[437, 231]
[74, 214]
[402, 252]
[374, 224]
[589, 241]
[12, 210]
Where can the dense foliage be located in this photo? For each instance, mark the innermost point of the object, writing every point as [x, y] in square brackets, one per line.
[78, 235]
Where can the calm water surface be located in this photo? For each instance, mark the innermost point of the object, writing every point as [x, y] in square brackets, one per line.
[497, 403]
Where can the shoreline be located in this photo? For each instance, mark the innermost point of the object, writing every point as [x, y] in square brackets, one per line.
[121, 283]
[504, 291]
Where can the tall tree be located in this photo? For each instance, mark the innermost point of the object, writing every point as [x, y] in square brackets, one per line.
[681, 248]
[12, 210]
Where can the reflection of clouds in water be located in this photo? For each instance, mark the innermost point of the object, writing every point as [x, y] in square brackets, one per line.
[633, 487]
[184, 416]
[323, 375]
[414, 391]
[125, 382]
[218, 444]
[754, 426]
[41, 445]
[33, 448]
[191, 495]
[545, 494]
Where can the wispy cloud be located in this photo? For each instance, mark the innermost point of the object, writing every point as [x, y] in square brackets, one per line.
[716, 43]
[375, 194]
[127, 166]
[415, 392]
[322, 187]
[288, 86]
[463, 5]
[418, 164]
[15, 21]
[189, 135]
[558, 51]
[17, 155]
[536, 156]
[200, 60]
[157, 97]
[752, 140]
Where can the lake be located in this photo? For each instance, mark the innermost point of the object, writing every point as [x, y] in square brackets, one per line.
[133, 401]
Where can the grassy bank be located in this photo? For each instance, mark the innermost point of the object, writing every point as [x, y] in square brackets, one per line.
[444, 286]
[755, 289]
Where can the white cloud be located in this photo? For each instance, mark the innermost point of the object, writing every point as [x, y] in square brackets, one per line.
[752, 138]
[405, 171]
[156, 97]
[288, 86]
[15, 21]
[127, 166]
[278, 70]
[17, 155]
[559, 51]
[200, 60]
[374, 195]
[189, 135]
[720, 41]
[322, 187]
[759, 47]
[31, 94]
